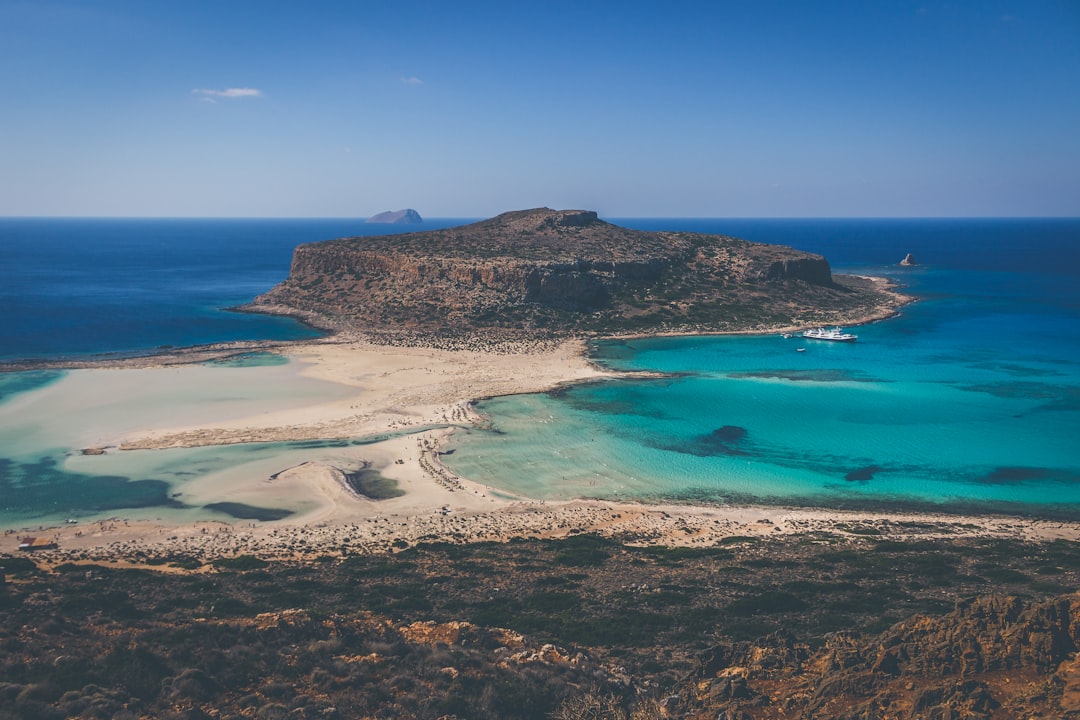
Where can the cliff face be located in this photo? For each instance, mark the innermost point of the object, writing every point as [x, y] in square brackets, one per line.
[551, 271]
[813, 270]
[384, 275]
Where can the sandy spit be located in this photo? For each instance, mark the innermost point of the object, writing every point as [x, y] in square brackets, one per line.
[420, 395]
[431, 390]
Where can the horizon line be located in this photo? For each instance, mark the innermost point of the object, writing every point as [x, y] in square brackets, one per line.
[364, 219]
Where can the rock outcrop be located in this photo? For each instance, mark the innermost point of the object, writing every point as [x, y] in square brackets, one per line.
[397, 217]
[908, 260]
[992, 657]
[550, 272]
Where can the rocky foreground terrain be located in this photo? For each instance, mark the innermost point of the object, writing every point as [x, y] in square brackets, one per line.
[548, 273]
[811, 626]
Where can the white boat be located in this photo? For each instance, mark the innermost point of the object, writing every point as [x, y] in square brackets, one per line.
[836, 334]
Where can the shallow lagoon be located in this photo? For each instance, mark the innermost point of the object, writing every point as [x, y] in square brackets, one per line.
[46, 418]
[970, 401]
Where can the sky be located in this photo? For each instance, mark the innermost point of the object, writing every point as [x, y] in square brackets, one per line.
[728, 108]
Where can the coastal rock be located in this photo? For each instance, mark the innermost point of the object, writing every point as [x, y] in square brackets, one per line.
[813, 270]
[546, 272]
[397, 217]
[908, 260]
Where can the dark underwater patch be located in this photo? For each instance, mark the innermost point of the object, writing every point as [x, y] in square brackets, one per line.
[243, 511]
[373, 484]
[43, 486]
[1013, 475]
[256, 448]
[259, 358]
[726, 440]
[580, 398]
[320, 444]
[729, 440]
[1015, 369]
[135, 494]
[1068, 401]
[1065, 398]
[1017, 390]
[728, 434]
[863, 474]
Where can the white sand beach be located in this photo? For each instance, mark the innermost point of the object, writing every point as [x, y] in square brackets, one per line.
[380, 388]
[335, 390]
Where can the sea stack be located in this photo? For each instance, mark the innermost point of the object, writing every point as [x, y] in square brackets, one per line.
[397, 217]
[908, 260]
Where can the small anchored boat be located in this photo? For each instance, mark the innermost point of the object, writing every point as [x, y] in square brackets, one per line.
[836, 334]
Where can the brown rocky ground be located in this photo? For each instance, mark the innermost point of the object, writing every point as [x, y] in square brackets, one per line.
[812, 626]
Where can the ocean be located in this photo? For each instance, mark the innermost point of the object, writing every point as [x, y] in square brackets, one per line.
[969, 401]
[89, 286]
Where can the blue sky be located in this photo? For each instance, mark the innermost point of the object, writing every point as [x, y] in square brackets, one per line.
[734, 108]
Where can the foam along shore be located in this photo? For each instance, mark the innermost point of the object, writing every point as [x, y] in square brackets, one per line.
[408, 402]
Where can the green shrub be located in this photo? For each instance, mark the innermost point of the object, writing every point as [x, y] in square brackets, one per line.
[767, 603]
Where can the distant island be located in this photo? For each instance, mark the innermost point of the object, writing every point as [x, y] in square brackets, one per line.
[407, 216]
[546, 273]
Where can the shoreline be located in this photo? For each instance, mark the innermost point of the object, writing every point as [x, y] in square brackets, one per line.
[123, 541]
[420, 395]
[336, 335]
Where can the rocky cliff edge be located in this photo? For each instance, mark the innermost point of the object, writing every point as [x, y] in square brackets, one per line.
[546, 272]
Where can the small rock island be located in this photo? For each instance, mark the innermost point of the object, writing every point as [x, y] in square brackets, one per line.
[407, 216]
[546, 273]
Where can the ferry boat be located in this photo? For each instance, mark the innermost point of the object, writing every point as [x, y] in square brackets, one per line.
[836, 334]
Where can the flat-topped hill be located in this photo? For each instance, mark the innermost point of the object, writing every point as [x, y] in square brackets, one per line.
[407, 216]
[544, 273]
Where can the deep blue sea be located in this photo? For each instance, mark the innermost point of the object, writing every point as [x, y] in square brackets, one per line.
[970, 400]
[90, 286]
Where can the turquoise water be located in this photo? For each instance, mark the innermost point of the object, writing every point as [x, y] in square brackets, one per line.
[87, 286]
[47, 417]
[56, 484]
[968, 401]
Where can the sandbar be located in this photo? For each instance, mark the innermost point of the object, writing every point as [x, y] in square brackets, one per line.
[409, 401]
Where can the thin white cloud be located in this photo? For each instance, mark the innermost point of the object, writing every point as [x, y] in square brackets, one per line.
[412, 81]
[227, 93]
